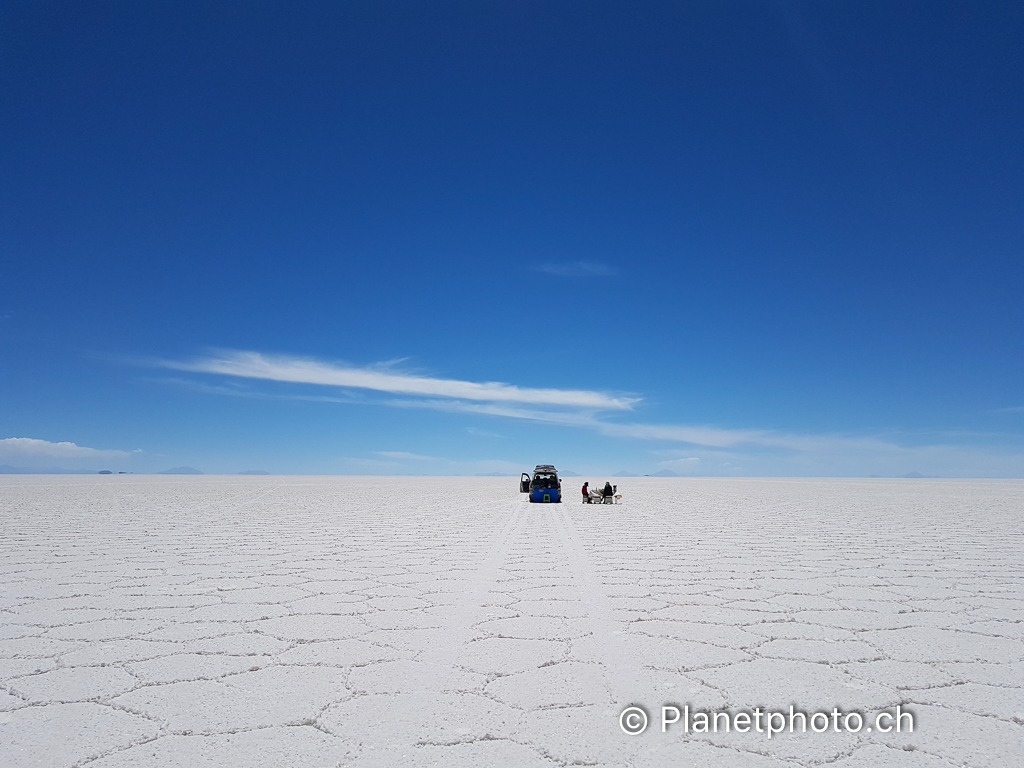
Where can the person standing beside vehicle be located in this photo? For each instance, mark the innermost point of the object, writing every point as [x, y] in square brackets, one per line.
[586, 493]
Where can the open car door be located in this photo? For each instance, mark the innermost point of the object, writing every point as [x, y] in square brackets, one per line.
[524, 483]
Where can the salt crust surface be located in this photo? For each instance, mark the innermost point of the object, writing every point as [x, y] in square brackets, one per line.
[262, 621]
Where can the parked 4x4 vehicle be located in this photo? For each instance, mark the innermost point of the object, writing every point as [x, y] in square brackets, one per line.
[544, 486]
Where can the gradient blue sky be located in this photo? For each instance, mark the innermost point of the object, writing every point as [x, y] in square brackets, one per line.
[718, 238]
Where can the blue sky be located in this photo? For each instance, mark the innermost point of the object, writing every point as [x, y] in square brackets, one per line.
[458, 238]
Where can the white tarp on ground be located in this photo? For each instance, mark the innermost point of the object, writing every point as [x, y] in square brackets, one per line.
[262, 621]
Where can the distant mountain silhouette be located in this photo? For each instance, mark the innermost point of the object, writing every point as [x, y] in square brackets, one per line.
[180, 471]
[252, 472]
[569, 473]
[624, 473]
[666, 473]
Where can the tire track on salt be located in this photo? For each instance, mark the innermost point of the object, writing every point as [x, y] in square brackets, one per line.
[622, 668]
[472, 606]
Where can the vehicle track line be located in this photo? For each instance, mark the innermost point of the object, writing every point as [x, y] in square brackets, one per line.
[621, 665]
[476, 586]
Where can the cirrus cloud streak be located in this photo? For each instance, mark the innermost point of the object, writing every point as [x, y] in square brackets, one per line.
[254, 365]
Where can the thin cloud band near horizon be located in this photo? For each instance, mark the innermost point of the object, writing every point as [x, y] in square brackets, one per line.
[569, 408]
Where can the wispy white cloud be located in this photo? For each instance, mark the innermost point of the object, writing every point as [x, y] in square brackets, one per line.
[758, 450]
[689, 463]
[483, 433]
[254, 365]
[709, 436]
[774, 452]
[694, 435]
[404, 455]
[32, 449]
[577, 269]
[252, 394]
[564, 418]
